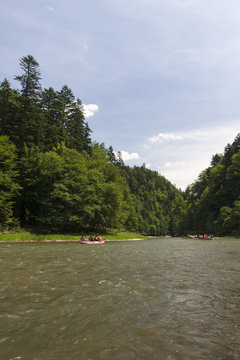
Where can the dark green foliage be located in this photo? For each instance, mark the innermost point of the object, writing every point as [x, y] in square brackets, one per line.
[111, 156]
[52, 176]
[64, 190]
[8, 185]
[10, 110]
[229, 219]
[78, 132]
[233, 179]
[230, 150]
[30, 79]
[178, 215]
[53, 110]
[21, 118]
[41, 118]
[213, 200]
[156, 201]
[216, 159]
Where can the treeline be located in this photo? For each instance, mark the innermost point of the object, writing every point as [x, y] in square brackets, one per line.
[54, 178]
[214, 198]
[159, 206]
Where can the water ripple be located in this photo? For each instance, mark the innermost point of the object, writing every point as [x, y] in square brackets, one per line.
[159, 299]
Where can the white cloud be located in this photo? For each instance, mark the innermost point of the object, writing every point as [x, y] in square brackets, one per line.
[90, 109]
[129, 156]
[182, 162]
[49, 8]
[170, 164]
[161, 137]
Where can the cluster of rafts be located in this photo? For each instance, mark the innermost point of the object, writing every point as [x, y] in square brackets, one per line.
[93, 240]
[205, 236]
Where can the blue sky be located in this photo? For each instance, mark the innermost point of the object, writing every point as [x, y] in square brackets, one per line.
[160, 79]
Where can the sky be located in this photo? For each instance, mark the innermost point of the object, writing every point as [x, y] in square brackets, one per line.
[159, 79]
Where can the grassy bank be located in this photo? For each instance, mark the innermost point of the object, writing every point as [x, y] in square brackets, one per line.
[123, 236]
[27, 236]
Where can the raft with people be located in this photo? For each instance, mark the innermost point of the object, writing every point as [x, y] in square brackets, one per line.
[206, 237]
[93, 240]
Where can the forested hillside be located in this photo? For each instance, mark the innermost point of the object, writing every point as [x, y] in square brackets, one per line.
[159, 206]
[214, 198]
[54, 178]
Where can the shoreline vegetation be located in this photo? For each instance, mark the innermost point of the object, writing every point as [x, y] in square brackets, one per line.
[29, 237]
[55, 178]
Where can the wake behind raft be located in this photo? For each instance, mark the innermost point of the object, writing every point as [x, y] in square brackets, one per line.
[96, 240]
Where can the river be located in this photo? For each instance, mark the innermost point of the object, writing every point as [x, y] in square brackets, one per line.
[163, 299]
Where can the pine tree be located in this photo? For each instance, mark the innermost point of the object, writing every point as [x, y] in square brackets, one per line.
[54, 113]
[10, 107]
[78, 132]
[111, 155]
[30, 79]
[30, 119]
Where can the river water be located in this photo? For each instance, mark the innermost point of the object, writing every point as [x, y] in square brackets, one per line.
[163, 299]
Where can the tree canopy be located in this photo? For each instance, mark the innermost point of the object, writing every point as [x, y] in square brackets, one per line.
[213, 199]
[55, 178]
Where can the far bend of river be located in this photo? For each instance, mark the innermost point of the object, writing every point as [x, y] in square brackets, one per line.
[163, 299]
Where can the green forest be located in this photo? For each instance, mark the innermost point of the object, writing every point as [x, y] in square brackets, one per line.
[54, 178]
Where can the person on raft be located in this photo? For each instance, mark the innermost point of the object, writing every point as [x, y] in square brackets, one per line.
[95, 238]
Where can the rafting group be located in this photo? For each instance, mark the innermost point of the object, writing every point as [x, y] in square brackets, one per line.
[205, 236]
[92, 240]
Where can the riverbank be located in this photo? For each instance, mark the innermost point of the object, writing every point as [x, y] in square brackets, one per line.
[29, 237]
